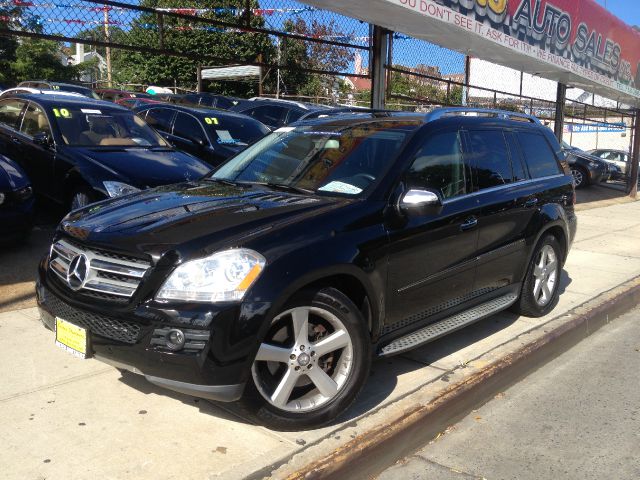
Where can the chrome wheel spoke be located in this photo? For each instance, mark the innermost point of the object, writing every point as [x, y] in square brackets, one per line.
[300, 319]
[536, 288]
[546, 294]
[271, 353]
[538, 271]
[333, 342]
[283, 391]
[551, 266]
[323, 382]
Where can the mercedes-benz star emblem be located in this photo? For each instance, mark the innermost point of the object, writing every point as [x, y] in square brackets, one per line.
[77, 272]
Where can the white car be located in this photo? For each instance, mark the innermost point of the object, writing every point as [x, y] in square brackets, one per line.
[617, 157]
[14, 91]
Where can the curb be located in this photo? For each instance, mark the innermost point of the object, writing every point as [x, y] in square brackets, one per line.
[416, 423]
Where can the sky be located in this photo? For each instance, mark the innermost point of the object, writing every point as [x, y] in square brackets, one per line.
[627, 10]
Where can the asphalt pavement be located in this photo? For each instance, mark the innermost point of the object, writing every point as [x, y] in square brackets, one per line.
[578, 417]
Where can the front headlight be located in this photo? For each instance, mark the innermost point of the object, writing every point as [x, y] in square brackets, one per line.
[116, 189]
[593, 164]
[221, 277]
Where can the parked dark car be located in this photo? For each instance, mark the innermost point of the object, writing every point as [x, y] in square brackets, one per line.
[64, 87]
[276, 279]
[132, 103]
[586, 169]
[112, 95]
[16, 202]
[276, 113]
[76, 150]
[211, 135]
[209, 100]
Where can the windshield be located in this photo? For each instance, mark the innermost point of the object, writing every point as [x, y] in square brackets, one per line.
[92, 127]
[335, 159]
[234, 131]
[87, 92]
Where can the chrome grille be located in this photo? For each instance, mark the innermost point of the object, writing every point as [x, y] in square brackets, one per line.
[107, 273]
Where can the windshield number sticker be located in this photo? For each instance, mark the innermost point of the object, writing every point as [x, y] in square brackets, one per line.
[62, 112]
[211, 121]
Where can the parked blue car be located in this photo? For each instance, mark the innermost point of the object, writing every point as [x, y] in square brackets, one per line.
[16, 202]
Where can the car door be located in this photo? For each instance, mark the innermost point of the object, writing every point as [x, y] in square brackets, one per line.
[188, 135]
[432, 256]
[11, 112]
[508, 202]
[39, 158]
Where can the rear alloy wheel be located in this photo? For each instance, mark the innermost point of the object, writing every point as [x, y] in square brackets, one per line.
[541, 285]
[312, 363]
[580, 177]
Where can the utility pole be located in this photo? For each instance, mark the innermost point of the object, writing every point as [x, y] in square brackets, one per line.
[278, 71]
[107, 40]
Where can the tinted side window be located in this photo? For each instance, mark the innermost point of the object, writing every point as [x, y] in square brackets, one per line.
[440, 165]
[517, 162]
[35, 121]
[539, 155]
[10, 112]
[269, 115]
[294, 115]
[160, 118]
[222, 102]
[188, 127]
[489, 158]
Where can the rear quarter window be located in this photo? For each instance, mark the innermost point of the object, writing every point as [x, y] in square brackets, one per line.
[538, 154]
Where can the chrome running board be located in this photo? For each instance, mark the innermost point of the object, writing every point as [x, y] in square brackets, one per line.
[448, 325]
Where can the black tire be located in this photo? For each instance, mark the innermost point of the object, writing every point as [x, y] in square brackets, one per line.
[81, 197]
[528, 304]
[265, 412]
[580, 176]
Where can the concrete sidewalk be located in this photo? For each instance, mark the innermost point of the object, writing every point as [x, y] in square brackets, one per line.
[67, 418]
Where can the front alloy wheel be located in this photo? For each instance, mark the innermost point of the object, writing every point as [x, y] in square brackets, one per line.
[312, 362]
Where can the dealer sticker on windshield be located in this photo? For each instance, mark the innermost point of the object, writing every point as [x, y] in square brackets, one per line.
[340, 187]
[88, 110]
[211, 121]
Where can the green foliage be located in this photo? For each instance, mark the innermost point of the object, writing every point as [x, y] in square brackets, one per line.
[299, 55]
[40, 59]
[205, 47]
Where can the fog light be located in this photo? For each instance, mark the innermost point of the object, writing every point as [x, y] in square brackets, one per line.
[175, 339]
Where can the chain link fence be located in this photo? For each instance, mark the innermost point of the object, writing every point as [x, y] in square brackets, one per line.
[304, 52]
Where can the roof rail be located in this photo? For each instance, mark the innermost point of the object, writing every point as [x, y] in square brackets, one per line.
[504, 114]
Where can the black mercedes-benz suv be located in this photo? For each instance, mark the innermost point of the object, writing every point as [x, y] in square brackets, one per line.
[277, 279]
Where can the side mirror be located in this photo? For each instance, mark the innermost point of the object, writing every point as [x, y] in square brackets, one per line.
[421, 202]
[43, 139]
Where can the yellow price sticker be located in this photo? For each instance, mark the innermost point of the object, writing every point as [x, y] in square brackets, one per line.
[211, 121]
[62, 112]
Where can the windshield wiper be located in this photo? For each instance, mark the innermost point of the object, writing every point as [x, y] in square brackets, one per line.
[288, 188]
[231, 183]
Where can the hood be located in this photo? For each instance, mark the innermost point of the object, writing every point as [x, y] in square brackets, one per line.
[157, 220]
[142, 167]
[586, 156]
[12, 177]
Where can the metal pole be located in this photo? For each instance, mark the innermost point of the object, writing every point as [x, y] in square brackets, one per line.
[467, 79]
[561, 98]
[632, 188]
[108, 40]
[378, 77]
[199, 89]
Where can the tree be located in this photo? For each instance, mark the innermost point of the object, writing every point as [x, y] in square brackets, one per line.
[201, 41]
[302, 54]
[12, 18]
[40, 59]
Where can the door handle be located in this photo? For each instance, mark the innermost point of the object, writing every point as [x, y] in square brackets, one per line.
[16, 140]
[469, 223]
[532, 202]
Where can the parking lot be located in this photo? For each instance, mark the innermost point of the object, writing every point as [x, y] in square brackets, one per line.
[68, 418]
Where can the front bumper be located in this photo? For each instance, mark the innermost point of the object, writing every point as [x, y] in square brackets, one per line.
[123, 336]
